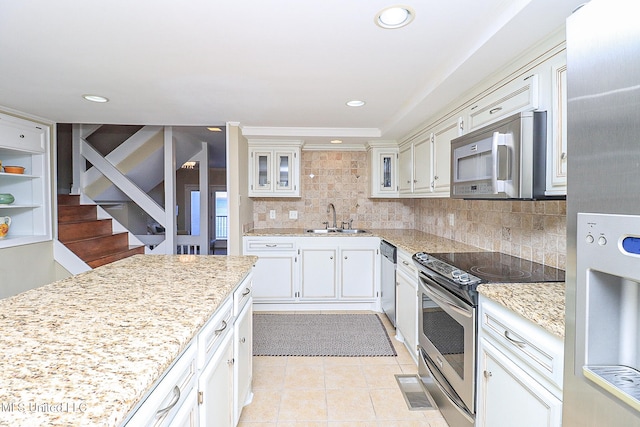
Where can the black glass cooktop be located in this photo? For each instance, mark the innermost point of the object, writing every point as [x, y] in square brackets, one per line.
[496, 267]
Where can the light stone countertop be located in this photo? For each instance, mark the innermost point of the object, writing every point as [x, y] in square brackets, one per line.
[411, 241]
[541, 303]
[84, 350]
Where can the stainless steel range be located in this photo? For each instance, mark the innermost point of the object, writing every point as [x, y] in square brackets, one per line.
[448, 324]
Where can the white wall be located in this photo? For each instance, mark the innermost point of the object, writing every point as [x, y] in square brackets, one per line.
[27, 267]
[240, 206]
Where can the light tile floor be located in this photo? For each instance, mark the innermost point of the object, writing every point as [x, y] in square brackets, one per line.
[334, 392]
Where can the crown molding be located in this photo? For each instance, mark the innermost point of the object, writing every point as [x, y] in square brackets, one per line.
[266, 131]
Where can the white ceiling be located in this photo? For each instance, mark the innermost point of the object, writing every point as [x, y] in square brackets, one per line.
[289, 65]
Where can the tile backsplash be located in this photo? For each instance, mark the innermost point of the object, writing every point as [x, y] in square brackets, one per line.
[534, 230]
[340, 178]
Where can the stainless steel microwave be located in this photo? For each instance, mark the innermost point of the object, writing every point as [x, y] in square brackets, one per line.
[503, 160]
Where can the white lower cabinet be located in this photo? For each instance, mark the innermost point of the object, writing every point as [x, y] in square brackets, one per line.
[275, 271]
[243, 353]
[315, 270]
[407, 303]
[519, 371]
[510, 396]
[188, 415]
[318, 273]
[215, 387]
[357, 273]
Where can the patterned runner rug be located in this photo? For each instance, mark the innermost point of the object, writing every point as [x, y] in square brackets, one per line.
[320, 335]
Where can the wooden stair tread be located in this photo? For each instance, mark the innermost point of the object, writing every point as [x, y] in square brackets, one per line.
[115, 256]
[94, 238]
[68, 199]
[91, 238]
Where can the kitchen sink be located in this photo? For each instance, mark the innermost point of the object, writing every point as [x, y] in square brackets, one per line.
[336, 230]
[352, 231]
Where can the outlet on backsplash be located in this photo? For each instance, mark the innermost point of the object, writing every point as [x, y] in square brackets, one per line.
[272, 214]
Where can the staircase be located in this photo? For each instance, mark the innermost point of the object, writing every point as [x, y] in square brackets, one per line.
[90, 238]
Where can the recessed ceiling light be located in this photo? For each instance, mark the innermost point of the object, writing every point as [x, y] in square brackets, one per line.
[95, 98]
[394, 17]
[336, 141]
[215, 129]
[355, 103]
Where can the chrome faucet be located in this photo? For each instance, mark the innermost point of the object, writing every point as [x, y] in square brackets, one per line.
[329, 208]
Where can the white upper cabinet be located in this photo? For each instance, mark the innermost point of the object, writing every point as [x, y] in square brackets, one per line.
[557, 150]
[520, 94]
[441, 139]
[425, 161]
[414, 164]
[25, 143]
[383, 163]
[274, 169]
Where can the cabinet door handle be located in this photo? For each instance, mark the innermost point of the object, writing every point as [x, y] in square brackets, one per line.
[487, 374]
[495, 110]
[243, 340]
[174, 402]
[521, 344]
[271, 245]
[563, 156]
[405, 262]
[231, 361]
[330, 257]
[246, 292]
[345, 257]
[224, 326]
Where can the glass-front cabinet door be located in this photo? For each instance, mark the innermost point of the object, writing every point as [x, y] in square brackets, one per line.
[387, 171]
[384, 170]
[262, 172]
[274, 170]
[283, 164]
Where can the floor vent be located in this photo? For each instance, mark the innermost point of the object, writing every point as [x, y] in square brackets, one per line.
[414, 393]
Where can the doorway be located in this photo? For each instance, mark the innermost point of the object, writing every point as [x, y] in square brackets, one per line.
[218, 216]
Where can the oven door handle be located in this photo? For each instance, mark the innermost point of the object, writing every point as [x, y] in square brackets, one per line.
[440, 381]
[433, 293]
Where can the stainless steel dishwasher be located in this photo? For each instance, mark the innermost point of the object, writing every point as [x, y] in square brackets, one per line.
[388, 280]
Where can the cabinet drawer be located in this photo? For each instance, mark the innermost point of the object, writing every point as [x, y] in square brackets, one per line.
[406, 264]
[528, 342]
[166, 399]
[213, 333]
[242, 295]
[519, 95]
[22, 135]
[260, 245]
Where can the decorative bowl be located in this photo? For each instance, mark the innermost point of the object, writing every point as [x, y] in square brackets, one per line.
[6, 198]
[14, 169]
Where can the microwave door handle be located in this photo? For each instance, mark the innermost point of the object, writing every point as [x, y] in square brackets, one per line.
[499, 159]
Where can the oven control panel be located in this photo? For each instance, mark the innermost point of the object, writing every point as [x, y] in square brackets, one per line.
[452, 273]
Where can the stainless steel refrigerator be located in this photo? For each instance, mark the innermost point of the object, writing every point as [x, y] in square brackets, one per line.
[602, 341]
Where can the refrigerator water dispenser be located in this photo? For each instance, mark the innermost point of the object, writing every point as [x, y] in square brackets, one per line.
[608, 303]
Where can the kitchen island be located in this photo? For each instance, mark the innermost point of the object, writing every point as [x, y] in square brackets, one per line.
[85, 350]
